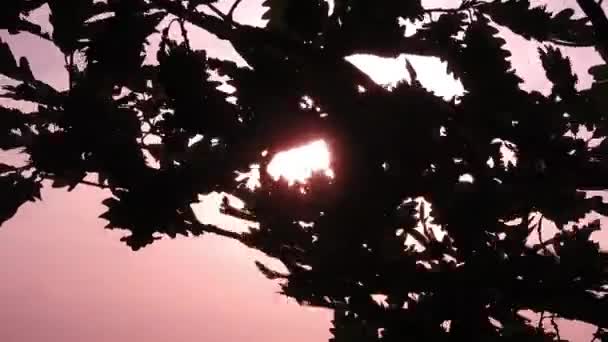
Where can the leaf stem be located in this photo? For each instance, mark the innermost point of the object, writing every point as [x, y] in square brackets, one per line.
[232, 9]
[218, 12]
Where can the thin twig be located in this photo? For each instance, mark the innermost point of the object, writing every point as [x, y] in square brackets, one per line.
[219, 231]
[466, 5]
[233, 8]
[98, 185]
[598, 334]
[442, 10]
[571, 44]
[69, 64]
[47, 176]
[211, 24]
[19, 169]
[539, 229]
[31, 28]
[218, 12]
[555, 327]
[595, 335]
[541, 319]
[182, 25]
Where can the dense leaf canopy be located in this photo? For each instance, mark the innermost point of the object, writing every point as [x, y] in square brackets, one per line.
[472, 179]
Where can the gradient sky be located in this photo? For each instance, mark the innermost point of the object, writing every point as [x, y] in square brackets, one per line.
[64, 278]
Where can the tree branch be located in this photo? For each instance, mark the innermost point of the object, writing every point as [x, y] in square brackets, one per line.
[97, 185]
[465, 6]
[218, 12]
[11, 168]
[46, 176]
[597, 335]
[596, 15]
[233, 31]
[207, 228]
[555, 327]
[69, 64]
[211, 24]
[569, 304]
[541, 319]
[34, 29]
[247, 39]
[539, 229]
[233, 8]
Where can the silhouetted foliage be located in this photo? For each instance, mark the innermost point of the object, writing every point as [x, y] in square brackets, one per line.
[409, 165]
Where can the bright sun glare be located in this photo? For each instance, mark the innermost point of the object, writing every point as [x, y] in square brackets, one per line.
[298, 164]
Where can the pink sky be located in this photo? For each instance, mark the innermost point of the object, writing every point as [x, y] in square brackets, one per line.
[65, 278]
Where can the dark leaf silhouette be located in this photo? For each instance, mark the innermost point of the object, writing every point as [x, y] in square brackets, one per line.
[13, 13]
[536, 22]
[432, 226]
[13, 129]
[305, 19]
[9, 67]
[17, 190]
[68, 22]
[559, 72]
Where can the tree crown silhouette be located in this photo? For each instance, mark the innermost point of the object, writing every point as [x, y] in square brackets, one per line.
[408, 165]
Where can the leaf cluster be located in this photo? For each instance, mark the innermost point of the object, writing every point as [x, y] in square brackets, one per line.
[470, 180]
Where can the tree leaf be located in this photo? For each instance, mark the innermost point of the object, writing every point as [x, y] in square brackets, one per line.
[68, 22]
[537, 23]
[5, 168]
[16, 191]
[12, 128]
[11, 13]
[305, 19]
[270, 274]
[599, 72]
[34, 91]
[8, 64]
[559, 71]
[25, 70]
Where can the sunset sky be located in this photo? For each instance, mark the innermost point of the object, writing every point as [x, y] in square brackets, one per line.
[64, 278]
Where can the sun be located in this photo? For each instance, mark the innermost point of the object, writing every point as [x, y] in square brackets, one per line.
[295, 165]
[298, 164]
